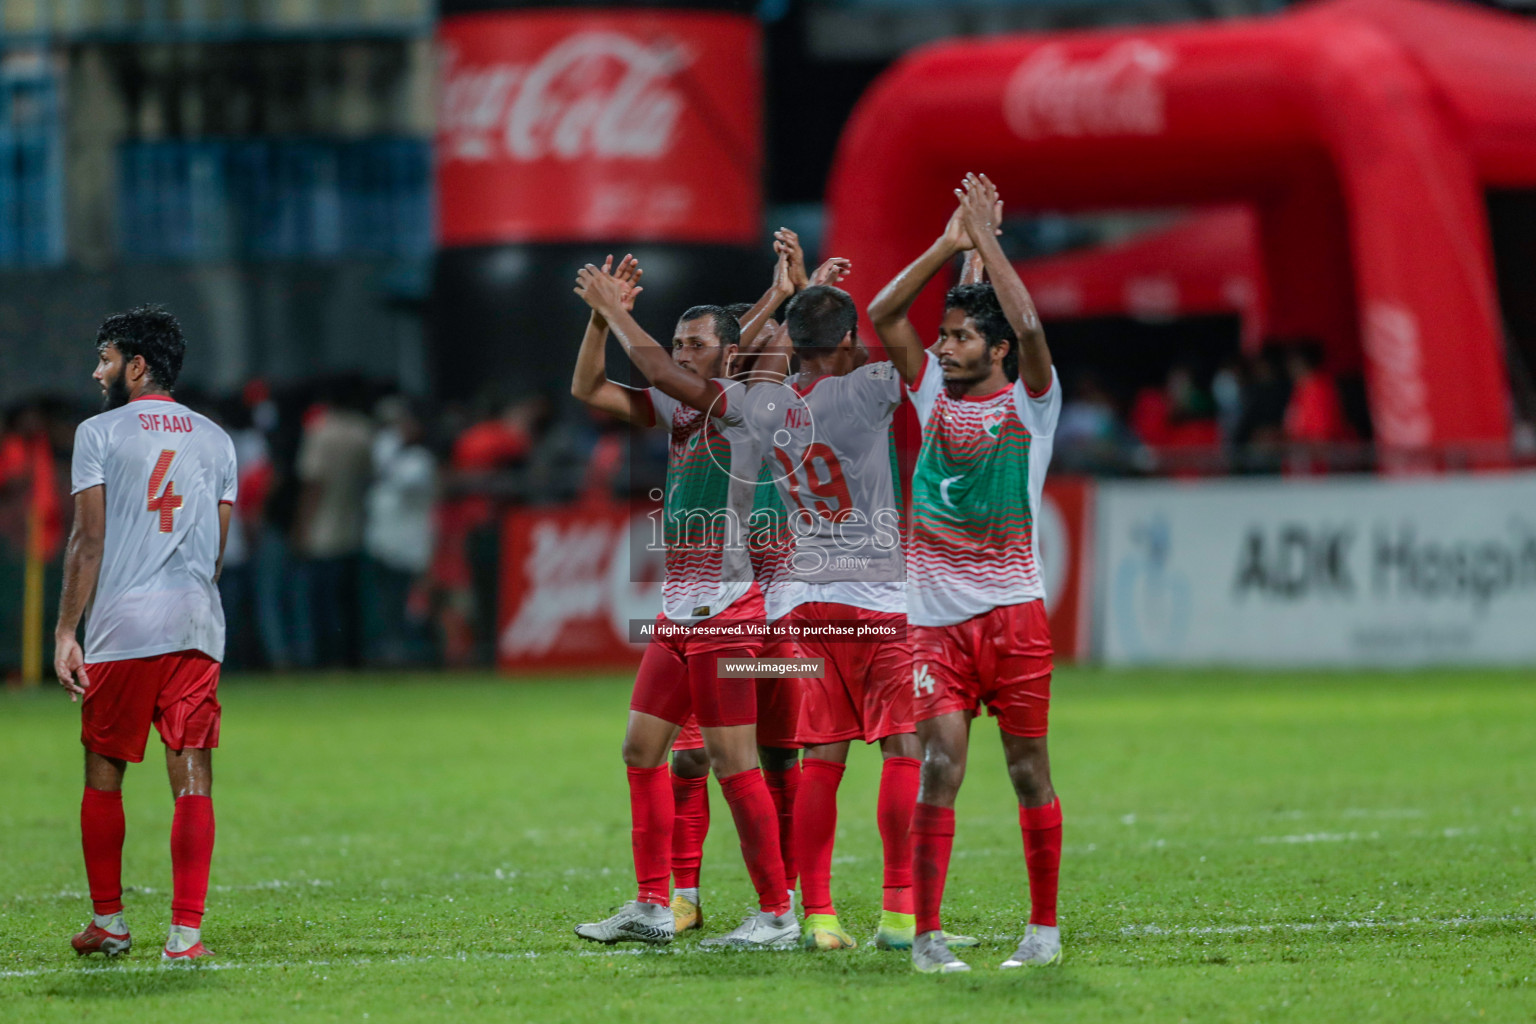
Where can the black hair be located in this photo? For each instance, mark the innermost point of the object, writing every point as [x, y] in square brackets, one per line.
[739, 309]
[819, 317]
[151, 332]
[727, 328]
[979, 303]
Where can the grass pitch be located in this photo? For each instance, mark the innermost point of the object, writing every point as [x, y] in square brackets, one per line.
[1238, 847]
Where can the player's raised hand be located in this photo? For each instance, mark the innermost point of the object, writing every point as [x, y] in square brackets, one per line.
[599, 290]
[832, 271]
[955, 236]
[980, 207]
[69, 666]
[628, 275]
[787, 242]
[783, 275]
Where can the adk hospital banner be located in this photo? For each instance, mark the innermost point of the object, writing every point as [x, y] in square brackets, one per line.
[1344, 572]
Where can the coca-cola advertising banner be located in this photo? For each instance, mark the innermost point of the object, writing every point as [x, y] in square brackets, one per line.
[569, 588]
[570, 125]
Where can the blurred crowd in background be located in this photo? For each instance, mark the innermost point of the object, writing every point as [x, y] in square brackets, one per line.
[367, 527]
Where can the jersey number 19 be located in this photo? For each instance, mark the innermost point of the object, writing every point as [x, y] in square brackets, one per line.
[830, 498]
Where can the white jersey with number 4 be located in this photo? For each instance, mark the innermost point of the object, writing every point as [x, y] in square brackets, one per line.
[166, 470]
[827, 444]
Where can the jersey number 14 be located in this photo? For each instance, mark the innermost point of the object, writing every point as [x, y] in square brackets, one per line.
[166, 502]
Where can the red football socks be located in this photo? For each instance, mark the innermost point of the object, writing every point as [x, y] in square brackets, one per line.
[784, 787]
[898, 799]
[650, 834]
[1042, 856]
[815, 832]
[757, 826]
[191, 855]
[933, 837]
[102, 829]
[689, 827]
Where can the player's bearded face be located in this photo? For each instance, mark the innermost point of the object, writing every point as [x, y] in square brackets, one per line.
[696, 348]
[962, 351]
[114, 383]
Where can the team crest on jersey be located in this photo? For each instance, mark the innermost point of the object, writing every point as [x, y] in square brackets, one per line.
[992, 421]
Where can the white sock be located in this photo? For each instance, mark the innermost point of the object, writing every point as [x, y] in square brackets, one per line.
[113, 923]
[691, 895]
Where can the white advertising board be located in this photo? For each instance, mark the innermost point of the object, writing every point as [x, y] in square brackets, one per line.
[1343, 571]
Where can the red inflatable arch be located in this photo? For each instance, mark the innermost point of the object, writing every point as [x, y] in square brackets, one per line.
[1361, 132]
[1205, 264]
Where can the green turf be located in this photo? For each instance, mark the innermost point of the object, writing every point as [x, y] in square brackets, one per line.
[1238, 847]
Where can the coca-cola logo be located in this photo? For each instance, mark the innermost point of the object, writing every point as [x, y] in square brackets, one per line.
[1400, 410]
[1120, 92]
[593, 95]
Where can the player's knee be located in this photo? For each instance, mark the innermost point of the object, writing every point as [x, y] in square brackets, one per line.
[638, 755]
[943, 770]
[777, 759]
[690, 764]
[730, 762]
[1031, 779]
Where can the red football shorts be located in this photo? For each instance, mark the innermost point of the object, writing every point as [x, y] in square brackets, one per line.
[677, 674]
[1001, 658]
[176, 693]
[778, 707]
[690, 737]
[778, 700]
[865, 691]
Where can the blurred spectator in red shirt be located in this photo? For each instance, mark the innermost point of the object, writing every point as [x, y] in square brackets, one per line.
[1314, 415]
[498, 442]
[1179, 415]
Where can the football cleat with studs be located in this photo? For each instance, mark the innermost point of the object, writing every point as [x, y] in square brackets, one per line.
[1040, 947]
[650, 923]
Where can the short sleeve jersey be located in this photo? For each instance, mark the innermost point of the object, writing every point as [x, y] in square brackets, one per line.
[827, 441]
[166, 470]
[712, 470]
[975, 493]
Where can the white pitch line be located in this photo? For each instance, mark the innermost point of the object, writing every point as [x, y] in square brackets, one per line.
[1326, 926]
[1320, 837]
[149, 890]
[271, 965]
[1151, 930]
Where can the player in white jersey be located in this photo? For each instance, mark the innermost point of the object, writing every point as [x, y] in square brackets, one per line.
[153, 483]
[708, 591]
[827, 434]
[974, 592]
[778, 699]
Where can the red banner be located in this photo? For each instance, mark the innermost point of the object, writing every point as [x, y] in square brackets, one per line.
[563, 125]
[569, 590]
[567, 595]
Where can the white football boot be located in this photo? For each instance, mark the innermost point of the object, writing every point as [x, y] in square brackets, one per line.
[931, 955]
[760, 931]
[1040, 947]
[650, 923]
